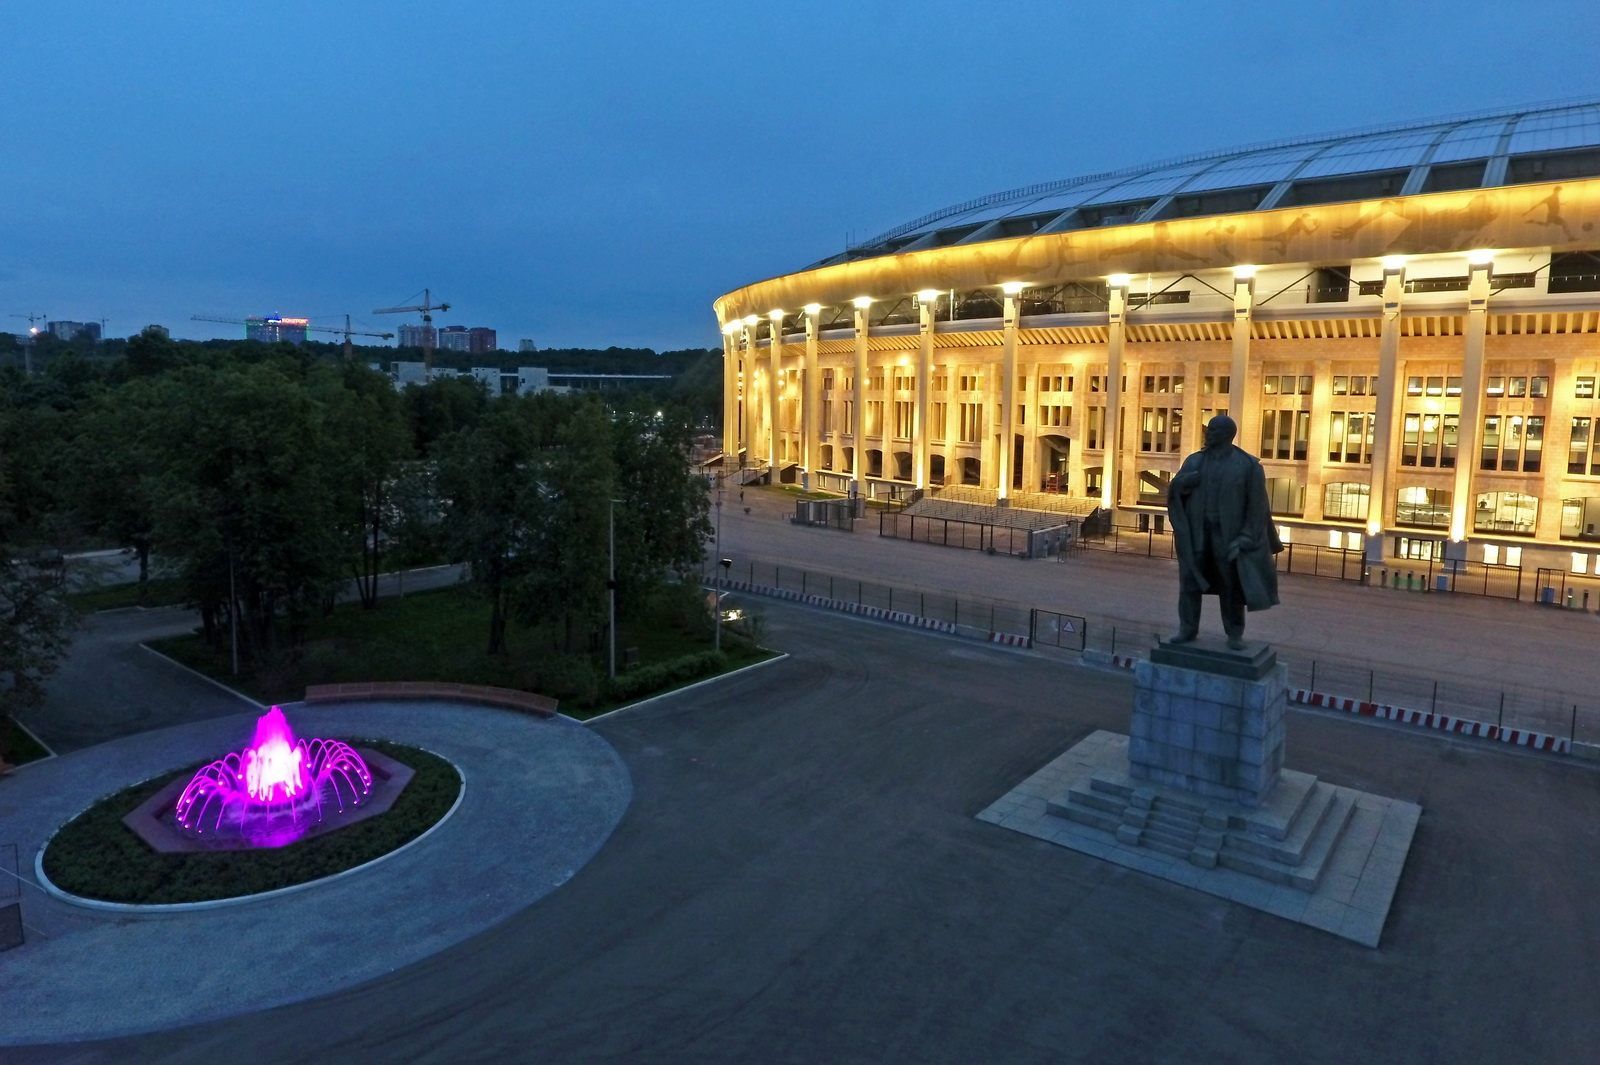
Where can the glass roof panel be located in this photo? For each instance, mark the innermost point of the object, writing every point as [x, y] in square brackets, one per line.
[1361, 154]
[1550, 133]
[1473, 140]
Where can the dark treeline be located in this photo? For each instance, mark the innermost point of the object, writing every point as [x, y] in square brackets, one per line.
[267, 477]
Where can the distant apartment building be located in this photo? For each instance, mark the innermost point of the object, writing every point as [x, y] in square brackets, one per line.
[523, 380]
[270, 329]
[527, 344]
[453, 338]
[417, 336]
[73, 330]
[474, 340]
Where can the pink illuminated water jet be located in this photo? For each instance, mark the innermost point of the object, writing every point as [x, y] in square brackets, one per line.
[273, 790]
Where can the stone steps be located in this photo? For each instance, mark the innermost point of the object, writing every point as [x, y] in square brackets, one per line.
[1291, 849]
[1307, 874]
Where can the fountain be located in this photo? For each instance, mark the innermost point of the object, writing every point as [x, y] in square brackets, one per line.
[270, 793]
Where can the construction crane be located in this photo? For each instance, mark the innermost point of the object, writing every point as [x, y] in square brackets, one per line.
[27, 349]
[427, 307]
[346, 332]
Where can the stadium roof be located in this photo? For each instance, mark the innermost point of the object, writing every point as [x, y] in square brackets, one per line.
[1547, 142]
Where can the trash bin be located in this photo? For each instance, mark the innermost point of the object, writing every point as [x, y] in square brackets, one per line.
[1547, 595]
[1441, 582]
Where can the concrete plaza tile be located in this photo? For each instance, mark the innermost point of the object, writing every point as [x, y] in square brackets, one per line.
[1352, 901]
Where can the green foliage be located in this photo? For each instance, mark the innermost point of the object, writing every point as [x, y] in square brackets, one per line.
[96, 856]
[664, 676]
[16, 746]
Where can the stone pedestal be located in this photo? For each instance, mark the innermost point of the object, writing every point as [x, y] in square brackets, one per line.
[1209, 720]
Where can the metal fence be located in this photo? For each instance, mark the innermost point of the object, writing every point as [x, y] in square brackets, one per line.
[1548, 710]
[1562, 588]
[974, 535]
[834, 513]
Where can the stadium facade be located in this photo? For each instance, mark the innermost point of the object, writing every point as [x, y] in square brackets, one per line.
[1405, 322]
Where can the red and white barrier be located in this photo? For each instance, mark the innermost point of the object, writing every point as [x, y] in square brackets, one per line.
[1461, 726]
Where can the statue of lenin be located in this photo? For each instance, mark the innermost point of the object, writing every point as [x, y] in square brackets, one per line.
[1223, 532]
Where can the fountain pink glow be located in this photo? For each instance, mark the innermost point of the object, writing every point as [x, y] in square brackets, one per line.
[273, 790]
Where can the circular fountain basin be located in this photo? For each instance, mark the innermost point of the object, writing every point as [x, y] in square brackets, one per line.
[156, 821]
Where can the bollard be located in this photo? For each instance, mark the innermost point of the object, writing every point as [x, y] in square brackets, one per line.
[1585, 602]
[1411, 582]
[1383, 578]
[1569, 598]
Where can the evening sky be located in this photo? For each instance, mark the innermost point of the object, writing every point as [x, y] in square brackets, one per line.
[597, 173]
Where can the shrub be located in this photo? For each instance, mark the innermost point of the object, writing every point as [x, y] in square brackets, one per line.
[568, 678]
[658, 676]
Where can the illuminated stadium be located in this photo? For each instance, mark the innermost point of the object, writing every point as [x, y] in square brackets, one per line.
[1403, 321]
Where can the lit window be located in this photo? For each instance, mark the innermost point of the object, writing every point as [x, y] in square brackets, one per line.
[1333, 539]
[1580, 562]
[1283, 533]
[1583, 388]
[1491, 554]
[1513, 556]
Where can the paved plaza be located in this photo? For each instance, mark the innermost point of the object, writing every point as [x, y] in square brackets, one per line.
[802, 876]
[1469, 638]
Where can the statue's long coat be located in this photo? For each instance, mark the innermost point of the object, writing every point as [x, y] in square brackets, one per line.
[1241, 477]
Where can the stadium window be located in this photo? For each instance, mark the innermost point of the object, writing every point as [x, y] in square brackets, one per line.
[1491, 554]
[1539, 387]
[1305, 386]
[1495, 388]
[1583, 388]
[1580, 562]
[1346, 501]
[1578, 447]
[941, 413]
[1517, 387]
[827, 380]
[1341, 386]
[903, 419]
[1413, 386]
[971, 423]
[1452, 386]
[1434, 386]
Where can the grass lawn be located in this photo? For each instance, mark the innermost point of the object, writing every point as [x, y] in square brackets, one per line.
[162, 591]
[97, 856]
[441, 636]
[16, 746]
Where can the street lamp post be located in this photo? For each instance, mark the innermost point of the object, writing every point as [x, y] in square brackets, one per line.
[611, 589]
[716, 608]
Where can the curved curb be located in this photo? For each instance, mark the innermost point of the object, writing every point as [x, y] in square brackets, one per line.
[137, 908]
[729, 675]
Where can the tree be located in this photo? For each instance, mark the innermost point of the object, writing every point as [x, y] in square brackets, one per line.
[439, 408]
[35, 622]
[369, 440]
[494, 506]
[580, 477]
[662, 522]
[244, 504]
[115, 467]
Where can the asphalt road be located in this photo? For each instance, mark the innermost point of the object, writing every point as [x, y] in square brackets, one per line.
[801, 877]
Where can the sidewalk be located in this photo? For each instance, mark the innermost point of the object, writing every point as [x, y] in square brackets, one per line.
[1468, 638]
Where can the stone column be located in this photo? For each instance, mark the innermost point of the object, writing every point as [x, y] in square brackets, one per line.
[1244, 280]
[1190, 438]
[928, 306]
[810, 403]
[1128, 454]
[1008, 394]
[1030, 402]
[1317, 439]
[730, 394]
[1079, 433]
[774, 371]
[858, 413]
[1115, 329]
[1388, 407]
[751, 437]
[952, 422]
[1469, 438]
